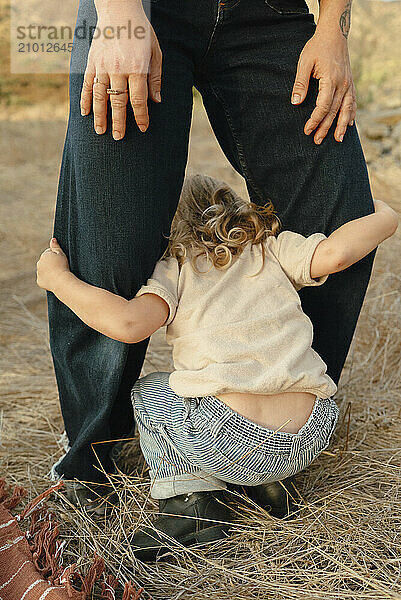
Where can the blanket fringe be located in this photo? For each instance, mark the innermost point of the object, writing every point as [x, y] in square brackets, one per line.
[94, 573]
[109, 585]
[45, 547]
[130, 592]
[10, 501]
[42, 538]
[36, 501]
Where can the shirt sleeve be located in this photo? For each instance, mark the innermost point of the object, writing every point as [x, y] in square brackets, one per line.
[294, 253]
[164, 283]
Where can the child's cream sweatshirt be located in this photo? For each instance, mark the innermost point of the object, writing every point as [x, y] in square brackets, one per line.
[232, 332]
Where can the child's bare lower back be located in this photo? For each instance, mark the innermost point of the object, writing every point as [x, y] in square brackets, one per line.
[286, 411]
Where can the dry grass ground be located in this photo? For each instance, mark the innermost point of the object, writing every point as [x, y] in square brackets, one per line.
[345, 542]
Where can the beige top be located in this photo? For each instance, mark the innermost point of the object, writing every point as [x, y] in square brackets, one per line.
[232, 332]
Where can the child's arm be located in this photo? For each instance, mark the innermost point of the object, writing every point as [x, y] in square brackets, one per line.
[354, 240]
[128, 321]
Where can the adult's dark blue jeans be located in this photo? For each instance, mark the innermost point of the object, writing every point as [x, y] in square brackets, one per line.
[116, 199]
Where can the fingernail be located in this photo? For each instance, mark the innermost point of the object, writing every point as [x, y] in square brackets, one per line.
[142, 127]
[341, 137]
[82, 112]
[352, 122]
[158, 97]
[117, 135]
[296, 98]
[318, 140]
[308, 130]
[99, 130]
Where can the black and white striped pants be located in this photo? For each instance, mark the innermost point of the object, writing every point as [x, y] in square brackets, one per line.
[199, 444]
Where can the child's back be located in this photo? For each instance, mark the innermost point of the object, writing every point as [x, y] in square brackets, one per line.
[240, 334]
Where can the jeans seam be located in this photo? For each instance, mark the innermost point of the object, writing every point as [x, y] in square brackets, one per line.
[211, 38]
[240, 151]
[286, 11]
[230, 7]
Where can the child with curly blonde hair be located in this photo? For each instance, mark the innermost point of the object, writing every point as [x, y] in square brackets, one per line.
[249, 401]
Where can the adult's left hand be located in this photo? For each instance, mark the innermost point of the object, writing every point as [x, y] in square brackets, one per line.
[325, 57]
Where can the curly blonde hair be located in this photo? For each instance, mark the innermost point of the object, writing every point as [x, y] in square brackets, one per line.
[214, 222]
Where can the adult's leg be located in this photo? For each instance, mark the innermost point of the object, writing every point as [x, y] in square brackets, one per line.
[246, 81]
[115, 203]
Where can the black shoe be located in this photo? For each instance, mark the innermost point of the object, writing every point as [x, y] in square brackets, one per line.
[96, 498]
[279, 498]
[193, 518]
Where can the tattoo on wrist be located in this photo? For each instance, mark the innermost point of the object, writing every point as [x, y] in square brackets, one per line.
[345, 20]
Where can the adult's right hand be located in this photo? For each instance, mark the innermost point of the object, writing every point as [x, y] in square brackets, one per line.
[124, 55]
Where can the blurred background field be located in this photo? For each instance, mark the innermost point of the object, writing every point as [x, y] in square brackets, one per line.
[346, 541]
[374, 44]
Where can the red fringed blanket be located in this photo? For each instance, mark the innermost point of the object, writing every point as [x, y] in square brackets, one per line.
[30, 562]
